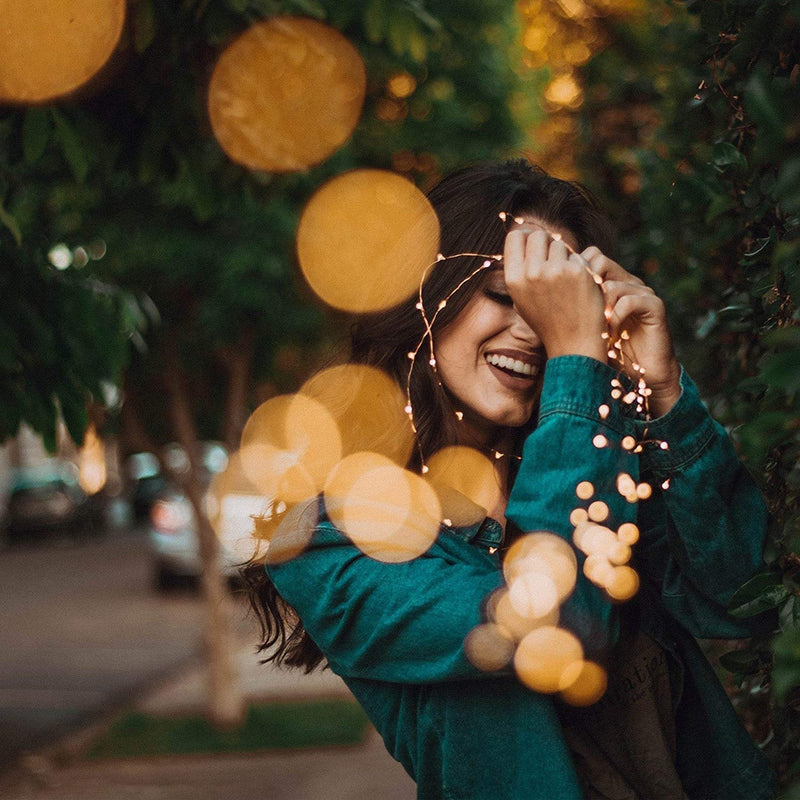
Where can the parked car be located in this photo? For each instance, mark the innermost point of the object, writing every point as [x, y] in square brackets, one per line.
[47, 500]
[146, 481]
[172, 532]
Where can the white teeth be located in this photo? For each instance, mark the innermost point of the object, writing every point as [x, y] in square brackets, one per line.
[515, 365]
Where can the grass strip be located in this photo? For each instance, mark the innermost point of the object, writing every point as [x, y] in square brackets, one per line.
[274, 726]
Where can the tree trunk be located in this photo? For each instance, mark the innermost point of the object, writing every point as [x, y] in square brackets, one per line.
[225, 703]
[237, 361]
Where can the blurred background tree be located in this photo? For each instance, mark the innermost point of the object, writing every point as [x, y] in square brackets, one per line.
[122, 184]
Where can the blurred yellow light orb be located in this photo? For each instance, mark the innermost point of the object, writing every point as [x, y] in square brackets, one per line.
[598, 569]
[584, 490]
[592, 538]
[598, 511]
[628, 533]
[543, 656]
[578, 515]
[586, 682]
[51, 47]
[624, 584]
[286, 94]
[533, 594]
[619, 554]
[518, 625]
[402, 85]
[368, 408]
[489, 647]
[232, 503]
[544, 554]
[289, 446]
[563, 90]
[389, 513]
[467, 472]
[365, 240]
[626, 485]
[92, 473]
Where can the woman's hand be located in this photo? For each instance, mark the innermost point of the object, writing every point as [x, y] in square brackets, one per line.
[634, 307]
[554, 293]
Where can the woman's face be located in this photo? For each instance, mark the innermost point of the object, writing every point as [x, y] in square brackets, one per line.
[490, 360]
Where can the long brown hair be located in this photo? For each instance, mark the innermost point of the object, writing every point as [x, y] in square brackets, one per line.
[468, 204]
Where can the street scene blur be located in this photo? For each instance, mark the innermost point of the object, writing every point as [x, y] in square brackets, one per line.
[195, 198]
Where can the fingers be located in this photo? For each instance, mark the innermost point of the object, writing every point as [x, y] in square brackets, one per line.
[606, 268]
[645, 308]
[528, 251]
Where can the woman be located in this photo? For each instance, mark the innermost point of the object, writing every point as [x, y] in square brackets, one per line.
[521, 370]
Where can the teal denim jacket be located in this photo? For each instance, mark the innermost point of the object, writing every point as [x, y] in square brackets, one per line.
[395, 632]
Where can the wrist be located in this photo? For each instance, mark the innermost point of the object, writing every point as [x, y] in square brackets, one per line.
[665, 393]
[596, 350]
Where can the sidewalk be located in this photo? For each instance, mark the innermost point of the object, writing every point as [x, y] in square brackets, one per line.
[359, 772]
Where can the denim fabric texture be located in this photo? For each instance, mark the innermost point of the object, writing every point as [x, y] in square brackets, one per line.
[395, 632]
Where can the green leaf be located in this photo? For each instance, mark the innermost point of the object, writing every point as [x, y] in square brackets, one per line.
[725, 155]
[786, 672]
[72, 147]
[790, 614]
[36, 127]
[11, 223]
[782, 370]
[759, 594]
[740, 661]
[374, 18]
[311, 8]
[144, 25]
[787, 187]
[762, 103]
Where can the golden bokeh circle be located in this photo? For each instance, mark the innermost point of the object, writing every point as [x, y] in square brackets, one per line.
[463, 471]
[389, 513]
[51, 47]
[286, 94]
[543, 656]
[542, 553]
[368, 407]
[289, 446]
[232, 502]
[365, 239]
[489, 647]
[586, 682]
[624, 584]
[628, 533]
[503, 612]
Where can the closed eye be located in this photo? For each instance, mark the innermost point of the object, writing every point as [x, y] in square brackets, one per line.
[499, 297]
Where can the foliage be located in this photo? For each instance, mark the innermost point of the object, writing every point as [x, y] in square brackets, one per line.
[130, 161]
[64, 337]
[313, 723]
[694, 125]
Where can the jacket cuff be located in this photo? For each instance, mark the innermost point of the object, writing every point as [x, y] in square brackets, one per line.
[581, 385]
[687, 428]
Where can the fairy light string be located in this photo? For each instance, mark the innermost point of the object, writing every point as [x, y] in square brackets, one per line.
[619, 350]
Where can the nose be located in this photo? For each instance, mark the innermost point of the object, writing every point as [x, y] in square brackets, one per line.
[520, 329]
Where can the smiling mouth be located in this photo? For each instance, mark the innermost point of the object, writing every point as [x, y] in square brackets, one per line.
[512, 366]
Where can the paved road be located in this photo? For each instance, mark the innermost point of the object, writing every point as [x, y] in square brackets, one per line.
[81, 629]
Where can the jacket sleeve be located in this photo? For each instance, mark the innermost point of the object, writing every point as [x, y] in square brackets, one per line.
[579, 438]
[703, 536]
[407, 622]
[404, 622]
